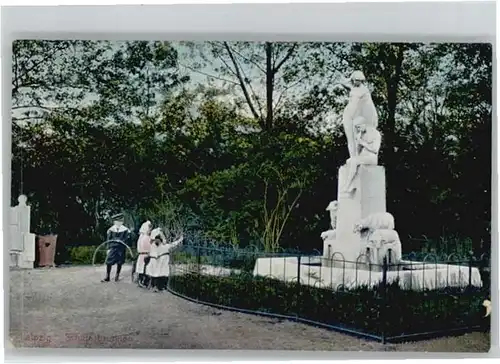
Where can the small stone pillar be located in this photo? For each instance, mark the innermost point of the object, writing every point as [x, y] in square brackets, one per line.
[22, 242]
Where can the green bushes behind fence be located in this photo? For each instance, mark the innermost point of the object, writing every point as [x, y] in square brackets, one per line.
[83, 255]
[389, 312]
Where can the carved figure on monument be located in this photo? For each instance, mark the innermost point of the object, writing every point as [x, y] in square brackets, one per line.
[360, 104]
[333, 208]
[379, 237]
[368, 140]
[380, 220]
[330, 234]
[384, 243]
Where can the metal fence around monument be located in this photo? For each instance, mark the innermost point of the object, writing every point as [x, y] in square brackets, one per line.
[385, 302]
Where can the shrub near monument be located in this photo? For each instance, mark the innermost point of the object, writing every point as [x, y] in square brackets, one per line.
[377, 313]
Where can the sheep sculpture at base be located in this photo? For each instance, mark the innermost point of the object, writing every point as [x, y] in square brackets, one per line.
[384, 243]
[331, 234]
[379, 238]
[379, 220]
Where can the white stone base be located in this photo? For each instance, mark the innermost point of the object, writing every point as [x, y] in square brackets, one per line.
[29, 247]
[423, 276]
[9, 344]
[332, 248]
[19, 260]
[26, 264]
[205, 269]
[334, 254]
[24, 259]
[14, 259]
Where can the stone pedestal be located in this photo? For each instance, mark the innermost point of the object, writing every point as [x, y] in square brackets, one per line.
[27, 257]
[366, 199]
[421, 275]
[15, 235]
[14, 259]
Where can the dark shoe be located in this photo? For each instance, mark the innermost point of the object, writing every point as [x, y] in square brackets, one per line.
[105, 279]
[117, 278]
[141, 282]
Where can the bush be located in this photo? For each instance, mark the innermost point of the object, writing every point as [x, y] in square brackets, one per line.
[84, 255]
[391, 312]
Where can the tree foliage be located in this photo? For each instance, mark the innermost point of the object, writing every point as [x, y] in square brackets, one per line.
[244, 138]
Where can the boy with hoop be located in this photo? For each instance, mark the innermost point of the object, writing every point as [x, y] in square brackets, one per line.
[117, 237]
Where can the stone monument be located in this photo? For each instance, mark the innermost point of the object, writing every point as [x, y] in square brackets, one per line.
[22, 242]
[363, 226]
[362, 233]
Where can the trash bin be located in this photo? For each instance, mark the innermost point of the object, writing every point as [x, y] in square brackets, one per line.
[47, 250]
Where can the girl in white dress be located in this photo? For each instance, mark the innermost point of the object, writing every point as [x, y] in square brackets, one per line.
[143, 249]
[158, 267]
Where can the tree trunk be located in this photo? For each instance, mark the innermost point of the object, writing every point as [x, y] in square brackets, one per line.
[269, 85]
[395, 57]
[392, 102]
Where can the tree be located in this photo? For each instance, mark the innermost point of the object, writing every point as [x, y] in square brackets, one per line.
[269, 75]
[41, 81]
[122, 129]
[469, 104]
[95, 80]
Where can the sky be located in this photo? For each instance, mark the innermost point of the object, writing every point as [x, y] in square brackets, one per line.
[208, 74]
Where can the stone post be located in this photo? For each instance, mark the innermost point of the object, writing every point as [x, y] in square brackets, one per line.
[22, 242]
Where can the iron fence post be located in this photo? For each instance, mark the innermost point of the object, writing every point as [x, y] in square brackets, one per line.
[170, 268]
[384, 299]
[198, 271]
[471, 258]
[298, 286]
[485, 272]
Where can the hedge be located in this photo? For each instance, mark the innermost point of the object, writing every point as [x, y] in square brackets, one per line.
[389, 312]
[83, 255]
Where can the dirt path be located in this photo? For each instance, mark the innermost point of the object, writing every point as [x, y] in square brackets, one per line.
[69, 307]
